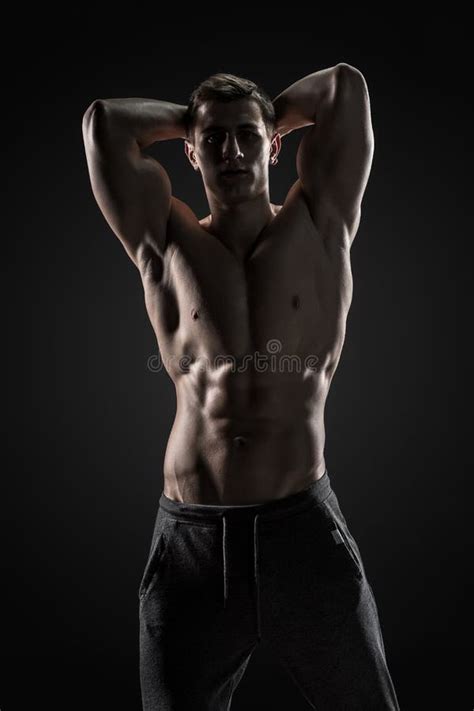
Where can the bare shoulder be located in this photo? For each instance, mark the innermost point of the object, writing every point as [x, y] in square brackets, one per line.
[295, 207]
[181, 211]
[182, 220]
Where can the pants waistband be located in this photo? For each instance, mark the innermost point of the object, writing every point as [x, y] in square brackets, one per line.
[314, 494]
[275, 508]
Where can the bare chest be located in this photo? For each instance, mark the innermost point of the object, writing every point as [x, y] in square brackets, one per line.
[284, 300]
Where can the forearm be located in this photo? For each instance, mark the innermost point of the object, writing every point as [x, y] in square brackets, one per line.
[146, 120]
[299, 104]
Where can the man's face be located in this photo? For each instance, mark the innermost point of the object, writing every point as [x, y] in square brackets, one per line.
[232, 149]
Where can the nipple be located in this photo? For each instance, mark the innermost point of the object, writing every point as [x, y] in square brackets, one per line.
[239, 442]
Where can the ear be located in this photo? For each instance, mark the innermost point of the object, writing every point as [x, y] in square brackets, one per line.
[275, 148]
[189, 150]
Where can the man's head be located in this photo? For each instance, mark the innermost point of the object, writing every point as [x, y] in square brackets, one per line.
[230, 126]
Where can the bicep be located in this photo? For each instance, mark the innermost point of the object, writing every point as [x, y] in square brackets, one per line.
[335, 155]
[132, 189]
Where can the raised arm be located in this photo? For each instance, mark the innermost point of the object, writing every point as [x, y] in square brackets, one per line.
[132, 189]
[335, 155]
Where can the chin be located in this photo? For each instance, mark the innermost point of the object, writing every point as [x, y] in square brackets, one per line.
[236, 196]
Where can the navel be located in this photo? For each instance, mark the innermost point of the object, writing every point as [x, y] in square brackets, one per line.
[195, 314]
[295, 302]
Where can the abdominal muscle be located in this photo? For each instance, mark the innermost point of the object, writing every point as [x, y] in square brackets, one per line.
[231, 446]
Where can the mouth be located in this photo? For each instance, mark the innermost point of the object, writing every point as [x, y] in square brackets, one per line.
[234, 173]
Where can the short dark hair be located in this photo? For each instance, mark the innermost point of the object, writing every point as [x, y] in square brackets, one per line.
[228, 87]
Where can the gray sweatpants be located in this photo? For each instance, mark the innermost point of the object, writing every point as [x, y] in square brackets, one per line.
[219, 579]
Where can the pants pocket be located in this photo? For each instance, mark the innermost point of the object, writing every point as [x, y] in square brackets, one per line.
[341, 539]
[158, 549]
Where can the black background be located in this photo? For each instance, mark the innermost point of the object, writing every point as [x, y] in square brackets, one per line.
[88, 421]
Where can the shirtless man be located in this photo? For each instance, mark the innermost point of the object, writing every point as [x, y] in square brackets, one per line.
[249, 307]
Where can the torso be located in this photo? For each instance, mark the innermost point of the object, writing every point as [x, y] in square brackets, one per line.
[249, 425]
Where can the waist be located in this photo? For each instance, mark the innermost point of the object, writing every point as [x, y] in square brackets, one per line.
[294, 503]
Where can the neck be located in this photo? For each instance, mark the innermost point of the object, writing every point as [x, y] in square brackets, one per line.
[239, 225]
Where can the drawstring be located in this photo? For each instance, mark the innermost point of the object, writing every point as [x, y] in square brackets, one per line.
[224, 556]
[255, 557]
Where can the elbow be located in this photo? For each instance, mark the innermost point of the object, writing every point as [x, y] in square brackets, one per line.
[93, 112]
[93, 121]
[348, 70]
[350, 75]
[351, 86]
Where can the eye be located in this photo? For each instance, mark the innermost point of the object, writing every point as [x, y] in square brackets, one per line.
[217, 137]
[213, 138]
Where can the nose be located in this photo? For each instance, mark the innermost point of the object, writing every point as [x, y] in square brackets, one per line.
[231, 148]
